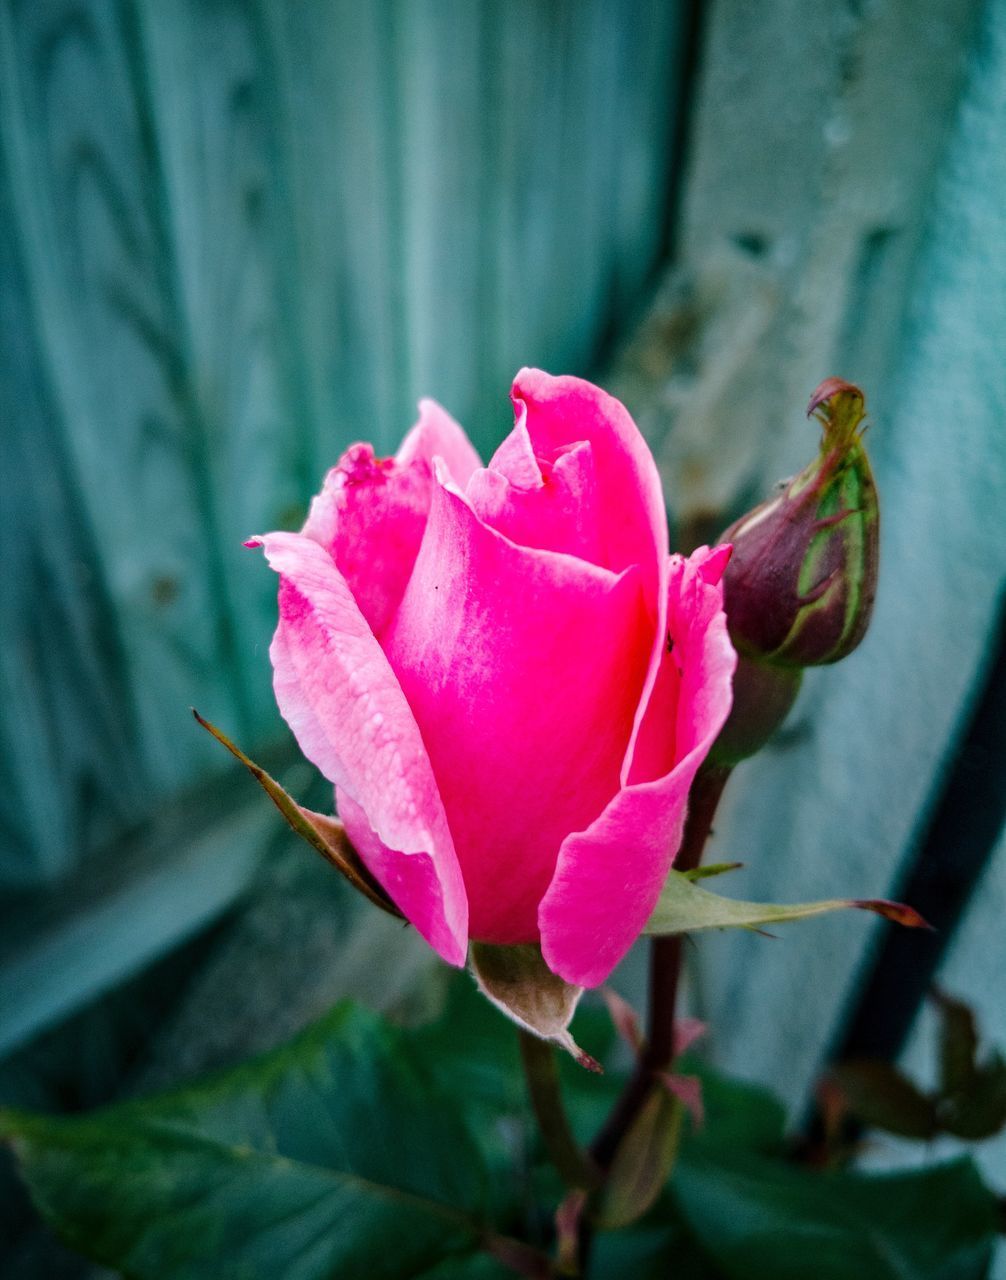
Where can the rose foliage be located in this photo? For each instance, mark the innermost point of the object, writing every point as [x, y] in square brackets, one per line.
[507, 677]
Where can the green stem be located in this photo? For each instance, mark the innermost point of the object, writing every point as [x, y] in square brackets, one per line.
[576, 1168]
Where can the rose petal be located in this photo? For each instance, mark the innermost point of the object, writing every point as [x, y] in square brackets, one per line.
[609, 876]
[437, 435]
[560, 412]
[549, 503]
[632, 519]
[371, 512]
[340, 697]
[523, 669]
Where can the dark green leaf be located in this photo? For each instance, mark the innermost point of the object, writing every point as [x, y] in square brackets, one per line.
[472, 1266]
[471, 1050]
[980, 1110]
[654, 1250]
[760, 1219]
[958, 1043]
[877, 1094]
[335, 1155]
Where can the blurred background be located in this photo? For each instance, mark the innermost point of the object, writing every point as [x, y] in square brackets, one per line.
[236, 235]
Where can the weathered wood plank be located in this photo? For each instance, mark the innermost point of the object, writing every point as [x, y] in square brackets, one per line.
[217, 108]
[834, 806]
[86, 183]
[251, 232]
[68, 757]
[816, 135]
[133, 902]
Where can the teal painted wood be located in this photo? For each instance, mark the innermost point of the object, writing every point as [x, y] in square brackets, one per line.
[834, 807]
[240, 235]
[64, 741]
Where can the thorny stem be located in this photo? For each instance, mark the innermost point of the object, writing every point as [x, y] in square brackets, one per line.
[665, 972]
[575, 1166]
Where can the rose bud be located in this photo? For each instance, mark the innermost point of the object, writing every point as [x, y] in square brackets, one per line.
[507, 677]
[800, 585]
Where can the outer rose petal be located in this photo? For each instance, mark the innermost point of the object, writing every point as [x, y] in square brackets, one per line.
[371, 512]
[632, 519]
[609, 876]
[340, 697]
[523, 669]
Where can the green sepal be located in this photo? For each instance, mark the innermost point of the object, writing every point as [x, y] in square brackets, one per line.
[325, 835]
[520, 984]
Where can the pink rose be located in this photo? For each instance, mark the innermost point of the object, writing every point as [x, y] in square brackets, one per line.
[509, 680]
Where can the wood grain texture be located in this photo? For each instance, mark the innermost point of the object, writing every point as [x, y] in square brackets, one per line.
[67, 752]
[87, 196]
[242, 234]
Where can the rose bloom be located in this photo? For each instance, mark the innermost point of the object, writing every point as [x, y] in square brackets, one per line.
[506, 675]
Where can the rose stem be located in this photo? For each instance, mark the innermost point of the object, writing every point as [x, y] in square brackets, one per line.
[665, 970]
[576, 1167]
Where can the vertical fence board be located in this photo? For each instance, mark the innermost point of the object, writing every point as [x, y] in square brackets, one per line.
[833, 808]
[224, 135]
[67, 745]
[84, 179]
[249, 232]
[815, 141]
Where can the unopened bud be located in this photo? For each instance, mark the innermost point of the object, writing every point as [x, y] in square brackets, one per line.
[799, 587]
[800, 584]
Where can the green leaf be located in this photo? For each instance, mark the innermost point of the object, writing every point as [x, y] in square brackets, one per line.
[710, 869]
[335, 1155]
[683, 907]
[654, 1250]
[958, 1043]
[760, 1219]
[472, 1266]
[470, 1049]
